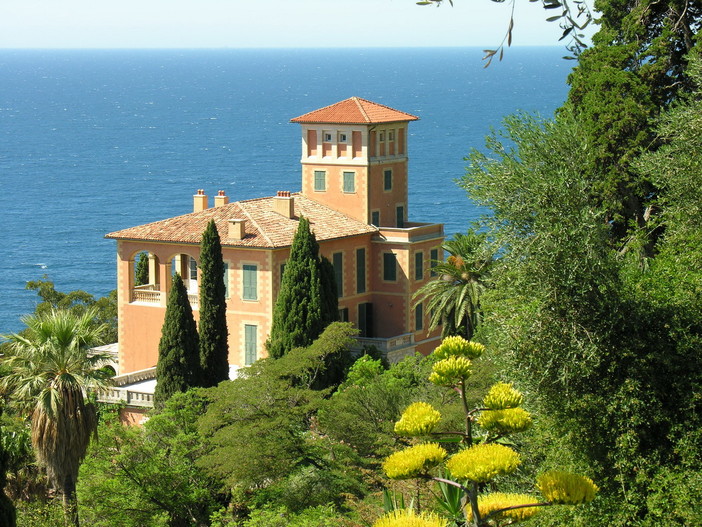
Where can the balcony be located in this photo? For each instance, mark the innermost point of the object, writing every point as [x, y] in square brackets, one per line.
[148, 294]
[395, 348]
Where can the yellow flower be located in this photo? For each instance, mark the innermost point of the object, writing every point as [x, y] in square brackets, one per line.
[409, 518]
[505, 421]
[414, 460]
[458, 347]
[502, 396]
[566, 488]
[482, 463]
[495, 501]
[448, 372]
[417, 419]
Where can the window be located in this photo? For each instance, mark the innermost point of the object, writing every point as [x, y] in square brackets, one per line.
[381, 136]
[193, 268]
[250, 282]
[320, 180]
[391, 135]
[389, 267]
[433, 256]
[338, 263]
[418, 317]
[360, 270]
[349, 182]
[327, 137]
[226, 280]
[250, 344]
[387, 180]
[342, 138]
[344, 315]
[375, 218]
[400, 216]
[418, 265]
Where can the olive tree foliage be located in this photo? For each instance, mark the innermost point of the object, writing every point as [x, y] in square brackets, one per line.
[608, 346]
[147, 475]
[259, 432]
[573, 16]
[78, 301]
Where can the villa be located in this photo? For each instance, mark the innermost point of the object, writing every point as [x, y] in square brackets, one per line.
[355, 195]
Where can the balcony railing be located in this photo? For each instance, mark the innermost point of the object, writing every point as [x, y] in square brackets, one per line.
[148, 293]
[390, 344]
[128, 397]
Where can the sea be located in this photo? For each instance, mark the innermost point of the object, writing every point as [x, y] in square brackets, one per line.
[93, 141]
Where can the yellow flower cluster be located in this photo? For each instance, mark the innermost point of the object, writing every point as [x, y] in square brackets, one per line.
[506, 421]
[489, 503]
[417, 419]
[566, 488]
[412, 461]
[502, 396]
[448, 372]
[458, 347]
[482, 463]
[409, 518]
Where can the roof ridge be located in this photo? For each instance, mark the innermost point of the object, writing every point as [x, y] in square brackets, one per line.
[358, 100]
[255, 223]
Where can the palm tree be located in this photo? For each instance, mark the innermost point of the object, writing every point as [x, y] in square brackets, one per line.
[453, 296]
[50, 374]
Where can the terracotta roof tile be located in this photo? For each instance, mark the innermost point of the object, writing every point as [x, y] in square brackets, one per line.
[355, 111]
[264, 227]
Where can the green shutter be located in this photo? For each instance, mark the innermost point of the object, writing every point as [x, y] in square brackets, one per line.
[418, 265]
[389, 267]
[387, 185]
[250, 344]
[360, 270]
[320, 180]
[433, 256]
[418, 317]
[349, 182]
[338, 264]
[250, 282]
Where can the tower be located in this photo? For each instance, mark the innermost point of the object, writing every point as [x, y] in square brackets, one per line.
[354, 160]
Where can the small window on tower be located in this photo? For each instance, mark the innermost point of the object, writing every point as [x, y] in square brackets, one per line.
[342, 138]
[327, 137]
[391, 135]
[381, 136]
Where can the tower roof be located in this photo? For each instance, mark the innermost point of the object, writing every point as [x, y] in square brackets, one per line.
[355, 111]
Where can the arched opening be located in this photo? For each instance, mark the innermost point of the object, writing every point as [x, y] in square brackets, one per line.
[144, 278]
[186, 266]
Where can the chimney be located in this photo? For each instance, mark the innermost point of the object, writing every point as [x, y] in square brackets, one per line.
[237, 229]
[221, 199]
[199, 201]
[284, 204]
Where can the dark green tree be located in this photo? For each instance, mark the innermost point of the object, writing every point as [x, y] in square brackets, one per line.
[214, 349]
[142, 269]
[635, 69]
[178, 357]
[298, 315]
[8, 515]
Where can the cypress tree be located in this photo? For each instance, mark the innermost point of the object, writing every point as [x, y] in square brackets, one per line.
[142, 269]
[298, 313]
[178, 358]
[214, 349]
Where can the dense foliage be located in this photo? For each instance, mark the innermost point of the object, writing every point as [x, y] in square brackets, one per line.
[212, 326]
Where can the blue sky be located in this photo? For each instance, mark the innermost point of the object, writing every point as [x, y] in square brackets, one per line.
[267, 23]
